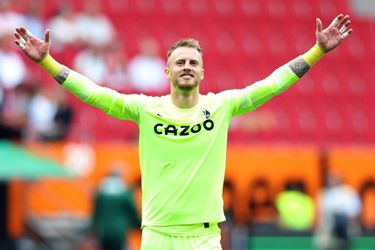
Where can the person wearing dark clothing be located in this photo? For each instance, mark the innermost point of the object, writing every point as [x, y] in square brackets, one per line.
[114, 213]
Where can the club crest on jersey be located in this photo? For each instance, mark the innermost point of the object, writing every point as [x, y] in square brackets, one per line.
[205, 114]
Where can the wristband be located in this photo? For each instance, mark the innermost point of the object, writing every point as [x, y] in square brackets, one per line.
[313, 55]
[50, 65]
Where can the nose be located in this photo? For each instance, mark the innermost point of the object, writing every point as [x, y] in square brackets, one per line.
[187, 66]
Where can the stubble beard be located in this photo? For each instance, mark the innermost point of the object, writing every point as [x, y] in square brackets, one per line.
[186, 87]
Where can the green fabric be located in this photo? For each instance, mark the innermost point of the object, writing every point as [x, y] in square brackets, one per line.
[114, 215]
[16, 162]
[257, 94]
[113, 103]
[285, 242]
[296, 210]
[182, 156]
[154, 240]
[188, 229]
[182, 151]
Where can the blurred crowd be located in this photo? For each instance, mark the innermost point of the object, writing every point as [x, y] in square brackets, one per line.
[331, 220]
[32, 105]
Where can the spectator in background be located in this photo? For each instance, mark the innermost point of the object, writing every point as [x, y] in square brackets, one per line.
[227, 226]
[42, 109]
[105, 65]
[9, 19]
[13, 119]
[33, 17]
[12, 74]
[146, 70]
[12, 67]
[65, 21]
[114, 212]
[261, 204]
[92, 63]
[339, 207]
[62, 118]
[96, 34]
[49, 116]
[296, 209]
[94, 27]
[116, 63]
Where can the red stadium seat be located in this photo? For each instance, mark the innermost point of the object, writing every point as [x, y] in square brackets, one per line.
[172, 7]
[199, 8]
[276, 9]
[244, 41]
[225, 9]
[254, 10]
[302, 10]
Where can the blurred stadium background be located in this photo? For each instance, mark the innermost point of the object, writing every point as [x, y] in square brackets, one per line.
[326, 121]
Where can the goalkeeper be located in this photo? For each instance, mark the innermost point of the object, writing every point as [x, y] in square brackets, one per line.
[183, 135]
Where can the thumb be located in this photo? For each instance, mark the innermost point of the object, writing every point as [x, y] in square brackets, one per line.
[318, 25]
[47, 37]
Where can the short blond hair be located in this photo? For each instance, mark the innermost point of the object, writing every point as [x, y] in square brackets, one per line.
[185, 42]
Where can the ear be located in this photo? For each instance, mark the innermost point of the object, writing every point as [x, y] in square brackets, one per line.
[202, 77]
[167, 72]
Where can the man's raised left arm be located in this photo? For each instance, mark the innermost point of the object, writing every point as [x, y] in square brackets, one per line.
[283, 77]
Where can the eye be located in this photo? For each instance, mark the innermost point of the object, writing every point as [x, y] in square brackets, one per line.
[180, 62]
[194, 63]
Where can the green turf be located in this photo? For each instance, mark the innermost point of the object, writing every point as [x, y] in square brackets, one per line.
[302, 243]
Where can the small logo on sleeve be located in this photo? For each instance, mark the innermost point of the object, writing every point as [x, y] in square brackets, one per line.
[205, 114]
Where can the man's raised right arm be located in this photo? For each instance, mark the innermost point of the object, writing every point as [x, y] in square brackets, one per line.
[108, 100]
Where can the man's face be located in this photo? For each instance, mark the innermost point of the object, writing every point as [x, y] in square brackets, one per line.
[185, 69]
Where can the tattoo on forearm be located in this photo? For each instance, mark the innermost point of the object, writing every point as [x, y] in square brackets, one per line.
[62, 75]
[299, 67]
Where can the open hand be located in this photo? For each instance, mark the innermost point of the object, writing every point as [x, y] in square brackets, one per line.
[334, 34]
[33, 47]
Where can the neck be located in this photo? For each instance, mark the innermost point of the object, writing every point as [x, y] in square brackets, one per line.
[184, 99]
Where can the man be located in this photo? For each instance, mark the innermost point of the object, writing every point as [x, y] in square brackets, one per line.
[114, 212]
[295, 208]
[183, 135]
[339, 207]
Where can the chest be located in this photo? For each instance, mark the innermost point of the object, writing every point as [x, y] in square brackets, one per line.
[202, 121]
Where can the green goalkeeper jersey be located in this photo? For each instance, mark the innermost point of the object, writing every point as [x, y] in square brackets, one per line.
[182, 151]
[183, 156]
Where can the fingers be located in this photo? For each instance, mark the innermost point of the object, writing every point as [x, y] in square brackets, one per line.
[343, 21]
[343, 25]
[28, 34]
[47, 36]
[319, 25]
[21, 43]
[21, 36]
[346, 34]
[25, 34]
[336, 20]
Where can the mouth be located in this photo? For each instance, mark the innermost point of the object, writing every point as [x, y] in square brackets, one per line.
[186, 73]
[186, 76]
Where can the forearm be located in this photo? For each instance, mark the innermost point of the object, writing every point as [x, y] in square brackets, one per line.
[303, 63]
[72, 81]
[79, 85]
[284, 77]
